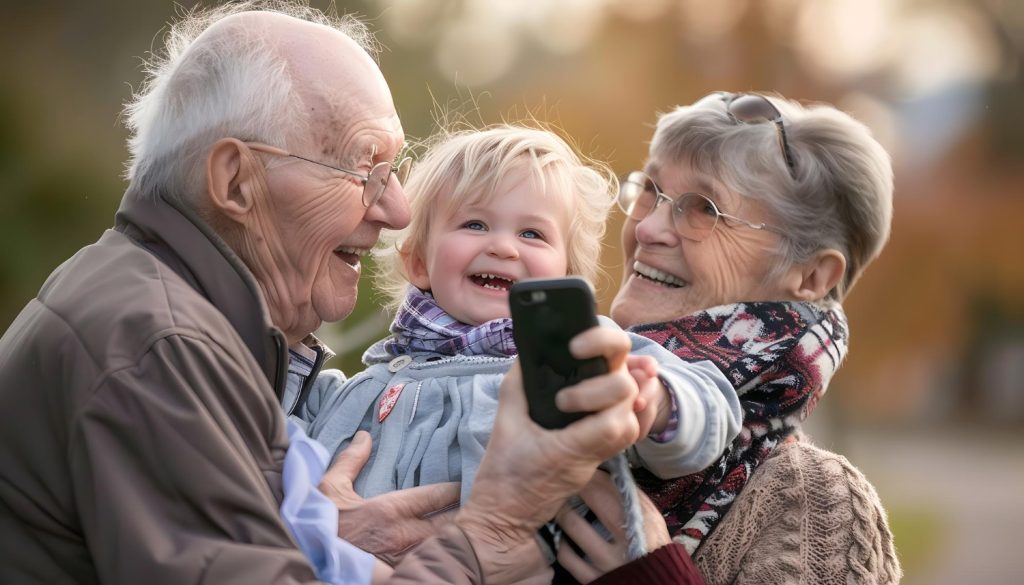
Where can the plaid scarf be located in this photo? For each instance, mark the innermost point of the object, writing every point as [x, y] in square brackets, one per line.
[780, 357]
[422, 326]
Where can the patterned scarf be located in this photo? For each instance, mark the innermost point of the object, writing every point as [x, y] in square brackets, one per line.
[780, 358]
[421, 326]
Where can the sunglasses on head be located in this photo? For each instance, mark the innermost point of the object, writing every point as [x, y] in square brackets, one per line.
[752, 108]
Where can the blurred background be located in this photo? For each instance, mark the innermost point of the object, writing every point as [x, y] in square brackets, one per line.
[930, 404]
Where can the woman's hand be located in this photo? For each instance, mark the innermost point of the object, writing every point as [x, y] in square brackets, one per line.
[603, 556]
[527, 472]
[388, 525]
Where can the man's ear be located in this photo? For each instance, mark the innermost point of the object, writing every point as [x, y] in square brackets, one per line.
[230, 179]
[814, 279]
[415, 269]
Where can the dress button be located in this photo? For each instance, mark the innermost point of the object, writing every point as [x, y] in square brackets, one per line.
[399, 362]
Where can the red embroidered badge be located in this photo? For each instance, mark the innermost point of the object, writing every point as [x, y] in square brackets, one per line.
[388, 401]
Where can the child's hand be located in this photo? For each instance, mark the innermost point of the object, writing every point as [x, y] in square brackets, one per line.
[653, 405]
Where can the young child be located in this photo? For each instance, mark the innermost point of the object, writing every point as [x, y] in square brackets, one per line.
[489, 208]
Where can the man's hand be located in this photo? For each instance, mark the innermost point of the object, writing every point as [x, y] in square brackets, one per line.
[528, 472]
[390, 524]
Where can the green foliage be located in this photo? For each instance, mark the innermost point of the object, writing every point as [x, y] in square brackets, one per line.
[51, 207]
[919, 536]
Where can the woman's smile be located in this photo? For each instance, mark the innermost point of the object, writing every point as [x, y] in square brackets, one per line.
[659, 276]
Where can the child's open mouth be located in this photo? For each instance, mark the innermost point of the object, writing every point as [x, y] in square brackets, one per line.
[492, 281]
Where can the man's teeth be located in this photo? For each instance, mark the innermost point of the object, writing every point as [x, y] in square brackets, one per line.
[657, 275]
[349, 250]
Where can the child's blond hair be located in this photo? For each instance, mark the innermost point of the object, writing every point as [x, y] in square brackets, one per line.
[466, 167]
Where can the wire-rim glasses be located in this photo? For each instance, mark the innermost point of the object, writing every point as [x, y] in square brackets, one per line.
[694, 215]
[752, 108]
[374, 183]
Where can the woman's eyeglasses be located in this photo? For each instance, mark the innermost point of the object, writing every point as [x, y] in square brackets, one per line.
[694, 215]
[751, 108]
[374, 183]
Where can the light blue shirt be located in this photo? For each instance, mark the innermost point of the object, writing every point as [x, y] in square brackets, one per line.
[312, 517]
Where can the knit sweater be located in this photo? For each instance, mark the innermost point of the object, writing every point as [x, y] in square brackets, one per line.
[805, 516]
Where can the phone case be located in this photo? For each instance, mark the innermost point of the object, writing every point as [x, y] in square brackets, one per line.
[546, 314]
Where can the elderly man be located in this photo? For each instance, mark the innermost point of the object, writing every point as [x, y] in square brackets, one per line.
[141, 437]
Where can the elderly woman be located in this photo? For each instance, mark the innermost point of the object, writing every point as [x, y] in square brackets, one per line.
[752, 219]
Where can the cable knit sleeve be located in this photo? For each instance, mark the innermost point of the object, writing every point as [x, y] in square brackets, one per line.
[805, 516]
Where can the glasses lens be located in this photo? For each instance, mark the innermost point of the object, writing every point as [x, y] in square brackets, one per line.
[636, 195]
[753, 108]
[695, 216]
[376, 182]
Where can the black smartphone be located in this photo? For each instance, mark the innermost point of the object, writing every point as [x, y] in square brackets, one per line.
[546, 314]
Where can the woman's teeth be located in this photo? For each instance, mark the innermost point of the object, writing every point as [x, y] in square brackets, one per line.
[657, 275]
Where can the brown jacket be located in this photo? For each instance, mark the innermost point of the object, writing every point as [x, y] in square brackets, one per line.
[141, 439]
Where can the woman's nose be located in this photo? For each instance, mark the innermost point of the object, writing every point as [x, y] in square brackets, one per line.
[657, 227]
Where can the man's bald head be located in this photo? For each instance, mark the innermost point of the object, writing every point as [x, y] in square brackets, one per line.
[254, 71]
[333, 80]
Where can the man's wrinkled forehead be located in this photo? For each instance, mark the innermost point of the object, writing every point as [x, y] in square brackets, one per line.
[347, 103]
[352, 132]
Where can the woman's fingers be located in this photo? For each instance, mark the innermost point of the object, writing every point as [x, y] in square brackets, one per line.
[600, 553]
[588, 540]
[602, 497]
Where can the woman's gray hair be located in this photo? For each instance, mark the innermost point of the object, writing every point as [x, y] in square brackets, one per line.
[840, 198]
[203, 87]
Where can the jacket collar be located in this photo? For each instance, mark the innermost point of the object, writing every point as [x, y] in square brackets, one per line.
[191, 248]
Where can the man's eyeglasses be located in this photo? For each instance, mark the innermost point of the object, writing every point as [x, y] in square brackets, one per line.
[694, 216]
[374, 183]
[751, 108]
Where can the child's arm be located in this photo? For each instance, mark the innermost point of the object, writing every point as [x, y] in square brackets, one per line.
[704, 405]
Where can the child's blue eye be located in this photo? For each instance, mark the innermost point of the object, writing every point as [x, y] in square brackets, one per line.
[532, 235]
[475, 225]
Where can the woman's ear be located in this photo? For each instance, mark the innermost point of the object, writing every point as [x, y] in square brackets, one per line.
[415, 269]
[820, 275]
[229, 179]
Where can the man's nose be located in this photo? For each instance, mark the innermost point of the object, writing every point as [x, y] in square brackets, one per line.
[392, 209]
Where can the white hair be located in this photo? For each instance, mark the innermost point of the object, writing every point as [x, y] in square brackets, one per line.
[203, 87]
